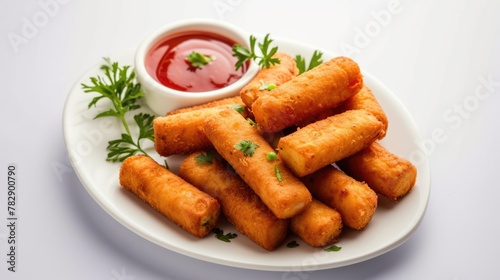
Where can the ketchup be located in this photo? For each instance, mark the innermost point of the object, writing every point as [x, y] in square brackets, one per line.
[166, 62]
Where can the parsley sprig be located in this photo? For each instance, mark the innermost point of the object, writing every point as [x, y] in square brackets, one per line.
[247, 147]
[265, 59]
[205, 157]
[292, 244]
[316, 59]
[118, 86]
[122, 148]
[333, 248]
[199, 60]
[239, 108]
[219, 234]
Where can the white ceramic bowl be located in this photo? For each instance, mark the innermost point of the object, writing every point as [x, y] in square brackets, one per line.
[162, 99]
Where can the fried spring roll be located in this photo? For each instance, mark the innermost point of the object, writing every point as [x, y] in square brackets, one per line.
[318, 225]
[323, 87]
[355, 201]
[320, 115]
[235, 139]
[182, 133]
[236, 100]
[277, 74]
[181, 202]
[239, 203]
[326, 141]
[385, 172]
[366, 100]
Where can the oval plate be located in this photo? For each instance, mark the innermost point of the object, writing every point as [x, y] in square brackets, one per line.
[393, 223]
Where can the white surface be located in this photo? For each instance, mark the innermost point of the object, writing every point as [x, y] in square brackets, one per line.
[392, 224]
[433, 55]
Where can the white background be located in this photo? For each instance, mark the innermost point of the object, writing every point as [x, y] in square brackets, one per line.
[433, 55]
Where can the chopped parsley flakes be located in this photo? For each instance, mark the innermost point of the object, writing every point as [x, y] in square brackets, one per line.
[247, 147]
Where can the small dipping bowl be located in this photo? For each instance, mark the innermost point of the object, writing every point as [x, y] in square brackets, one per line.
[162, 98]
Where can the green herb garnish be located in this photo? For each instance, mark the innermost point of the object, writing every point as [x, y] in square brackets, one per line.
[219, 234]
[239, 108]
[205, 158]
[333, 248]
[122, 148]
[278, 173]
[316, 59]
[265, 60]
[251, 122]
[292, 244]
[199, 60]
[266, 86]
[119, 87]
[247, 147]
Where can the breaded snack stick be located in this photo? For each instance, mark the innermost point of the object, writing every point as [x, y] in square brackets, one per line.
[236, 100]
[385, 172]
[320, 88]
[366, 100]
[277, 74]
[239, 203]
[326, 141]
[182, 133]
[181, 202]
[234, 138]
[318, 225]
[355, 201]
[321, 115]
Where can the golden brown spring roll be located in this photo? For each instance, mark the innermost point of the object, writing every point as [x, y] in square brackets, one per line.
[236, 100]
[239, 203]
[355, 201]
[318, 225]
[366, 100]
[318, 89]
[326, 141]
[277, 74]
[182, 133]
[385, 172]
[320, 115]
[181, 202]
[235, 139]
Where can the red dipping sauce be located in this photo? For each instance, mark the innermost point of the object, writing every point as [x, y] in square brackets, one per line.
[167, 62]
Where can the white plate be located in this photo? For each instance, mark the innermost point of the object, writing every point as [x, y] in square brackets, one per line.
[393, 223]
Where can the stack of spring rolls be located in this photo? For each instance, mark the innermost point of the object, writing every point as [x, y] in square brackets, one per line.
[302, 156]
